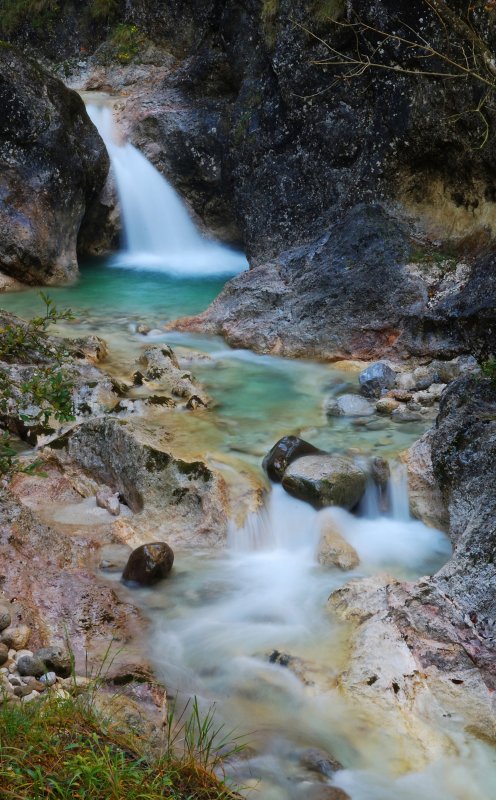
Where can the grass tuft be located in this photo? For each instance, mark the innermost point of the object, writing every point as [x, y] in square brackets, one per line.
[63, 750]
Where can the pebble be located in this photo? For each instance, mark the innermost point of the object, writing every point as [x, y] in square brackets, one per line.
[28, 697]
[49, 678]
[4, 670]
[5, 617]
[14, 681]
[21, 653]
[16, 637]
[4, 653]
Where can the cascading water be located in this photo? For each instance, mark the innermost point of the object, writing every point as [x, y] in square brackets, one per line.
[158, 232]
[239, 620]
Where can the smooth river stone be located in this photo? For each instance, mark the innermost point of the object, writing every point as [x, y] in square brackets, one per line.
[325, 480]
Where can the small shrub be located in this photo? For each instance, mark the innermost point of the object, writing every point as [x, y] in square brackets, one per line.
[46, 391]
[126, 42]
[488, 369]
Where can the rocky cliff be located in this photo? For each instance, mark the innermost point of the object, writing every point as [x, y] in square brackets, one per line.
[53, 166]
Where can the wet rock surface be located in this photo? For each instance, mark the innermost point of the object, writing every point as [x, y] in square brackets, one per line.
[54, 165]
[284, 452]
[324, 480]
[149, 564]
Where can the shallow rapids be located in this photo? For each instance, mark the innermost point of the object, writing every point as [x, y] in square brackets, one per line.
[249, 628]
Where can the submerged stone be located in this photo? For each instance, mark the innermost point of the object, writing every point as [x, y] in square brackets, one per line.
[149, 564]
[284, 452]
[348, 405]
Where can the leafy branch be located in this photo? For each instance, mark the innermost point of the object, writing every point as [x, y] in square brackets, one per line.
[34, 386]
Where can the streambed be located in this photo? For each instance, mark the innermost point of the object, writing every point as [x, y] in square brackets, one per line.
[221, 617]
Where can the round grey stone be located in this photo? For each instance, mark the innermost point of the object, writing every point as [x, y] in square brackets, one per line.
[30, 665]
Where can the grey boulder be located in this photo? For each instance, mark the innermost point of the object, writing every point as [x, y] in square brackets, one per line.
[325, 480]
[375, 378]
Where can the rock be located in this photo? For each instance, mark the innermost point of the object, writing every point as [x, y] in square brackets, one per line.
[16, 637]
[325, 480]
[22, 691]
[405, 381]
[348, 405]
[33, 695]
[386, 405]
[181, 497]
[159, 365]
[149, 564]
[326, 793]
[283, 453]
[106, 498]
[49, 678]
[334, 550]
[375, 379]
[320, 761]
[5, 617]
[4, 653]
[402, 414]
[380, 471]
[29, 665]
[91, 348]
[400, 394]
[56, 659]
[48, 150]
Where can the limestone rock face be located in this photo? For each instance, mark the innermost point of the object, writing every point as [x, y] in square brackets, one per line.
[284, 452]
[53, 164]
[463, 458]
[179, 497]
[325, 480]
[426, 500]
[149, 564]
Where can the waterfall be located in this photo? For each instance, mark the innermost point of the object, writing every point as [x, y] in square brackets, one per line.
[382, 531]
[158, 232]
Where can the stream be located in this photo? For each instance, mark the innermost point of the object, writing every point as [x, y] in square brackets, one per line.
[248, 628]
[224, 622]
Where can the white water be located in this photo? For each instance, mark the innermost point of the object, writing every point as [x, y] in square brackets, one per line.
[158, 232]
[219, 618]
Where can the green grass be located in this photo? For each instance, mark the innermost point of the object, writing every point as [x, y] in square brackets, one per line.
[64, 750]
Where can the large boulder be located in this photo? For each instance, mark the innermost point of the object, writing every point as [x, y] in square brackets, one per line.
[53, 164]
[149, 564]
[284, 452]
[325, 480]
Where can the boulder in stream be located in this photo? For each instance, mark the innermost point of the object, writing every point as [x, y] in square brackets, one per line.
[325, 480]
[333, 548]
[149, 564]
[284, 452]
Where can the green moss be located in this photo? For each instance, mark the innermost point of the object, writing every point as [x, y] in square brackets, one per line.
[323, 10]
[39, 13]
[268, 16]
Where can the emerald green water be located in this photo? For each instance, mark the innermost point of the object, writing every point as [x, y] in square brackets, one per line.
[258, 398]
